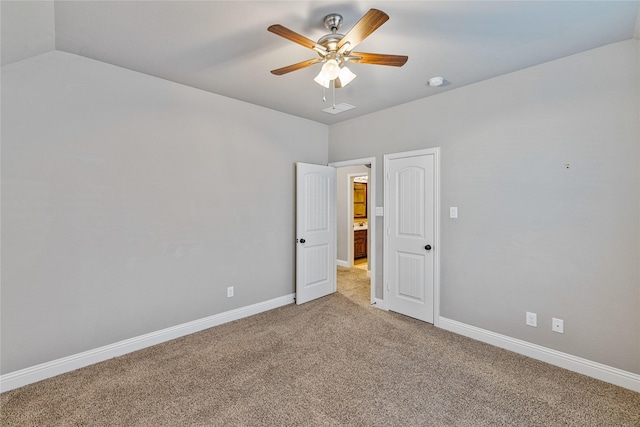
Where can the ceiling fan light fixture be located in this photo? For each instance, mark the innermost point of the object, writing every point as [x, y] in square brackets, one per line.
[331, 69]
[346, 76]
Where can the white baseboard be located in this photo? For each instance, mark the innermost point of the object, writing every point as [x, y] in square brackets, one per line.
[46, 370]
[567, 361]
[342, 263]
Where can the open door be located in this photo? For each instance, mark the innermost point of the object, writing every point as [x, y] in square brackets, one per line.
[315, 231]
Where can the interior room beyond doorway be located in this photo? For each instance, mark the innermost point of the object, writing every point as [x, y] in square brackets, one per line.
[355, 206]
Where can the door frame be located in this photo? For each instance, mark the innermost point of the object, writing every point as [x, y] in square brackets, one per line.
[371, 235]
[436, 224]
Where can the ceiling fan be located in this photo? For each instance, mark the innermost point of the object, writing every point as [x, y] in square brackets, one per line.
[335, 49]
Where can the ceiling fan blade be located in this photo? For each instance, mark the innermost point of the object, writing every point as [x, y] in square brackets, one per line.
[295, 67]
[296, 38]
[370, 22]
[378, 59]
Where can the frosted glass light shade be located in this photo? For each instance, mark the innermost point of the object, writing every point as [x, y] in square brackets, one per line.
[331, 69]
[346, 76]
[322, 80]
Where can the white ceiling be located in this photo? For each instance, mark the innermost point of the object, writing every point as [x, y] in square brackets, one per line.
[224, 47]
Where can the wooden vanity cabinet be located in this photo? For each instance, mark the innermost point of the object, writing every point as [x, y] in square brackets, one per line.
[359, 244]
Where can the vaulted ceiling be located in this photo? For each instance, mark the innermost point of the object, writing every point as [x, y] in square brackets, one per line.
[224, 47]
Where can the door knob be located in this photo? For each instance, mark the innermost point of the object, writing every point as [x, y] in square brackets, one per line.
[302, 240]
[428, 247]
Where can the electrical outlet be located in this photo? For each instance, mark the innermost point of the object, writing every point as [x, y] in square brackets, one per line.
[229, 291]
[557, 325]
[532, 319]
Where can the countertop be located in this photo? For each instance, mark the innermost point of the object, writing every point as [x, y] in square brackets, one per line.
[360, 226]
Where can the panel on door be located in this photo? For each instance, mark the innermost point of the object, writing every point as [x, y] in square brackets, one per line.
[410, 233]
[315, 231]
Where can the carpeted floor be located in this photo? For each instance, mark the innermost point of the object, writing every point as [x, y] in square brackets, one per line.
[333, 361]
[354, 284]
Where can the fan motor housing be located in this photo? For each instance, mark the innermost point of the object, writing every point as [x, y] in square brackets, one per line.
[330, 41]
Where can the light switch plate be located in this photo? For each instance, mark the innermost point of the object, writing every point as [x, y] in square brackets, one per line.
[379, 210]
[453, 212]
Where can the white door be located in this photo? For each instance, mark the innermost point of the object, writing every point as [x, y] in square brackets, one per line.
[315, 231]
[411, 198]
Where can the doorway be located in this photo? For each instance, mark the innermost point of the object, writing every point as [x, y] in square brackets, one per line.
[354, 269]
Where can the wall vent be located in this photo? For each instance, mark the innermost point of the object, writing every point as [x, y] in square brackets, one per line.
[336, 109]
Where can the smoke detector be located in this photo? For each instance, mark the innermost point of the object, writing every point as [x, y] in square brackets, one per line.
[436, 81]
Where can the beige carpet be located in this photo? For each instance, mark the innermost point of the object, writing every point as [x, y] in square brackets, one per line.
[354, 284]
[333, 361]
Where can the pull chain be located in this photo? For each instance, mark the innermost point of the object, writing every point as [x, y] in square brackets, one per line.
[333, 86]
[333, 94]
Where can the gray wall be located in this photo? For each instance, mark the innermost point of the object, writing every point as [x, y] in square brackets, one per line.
[343, 224]
[533, 235]
[130, 203]
[28, 29]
